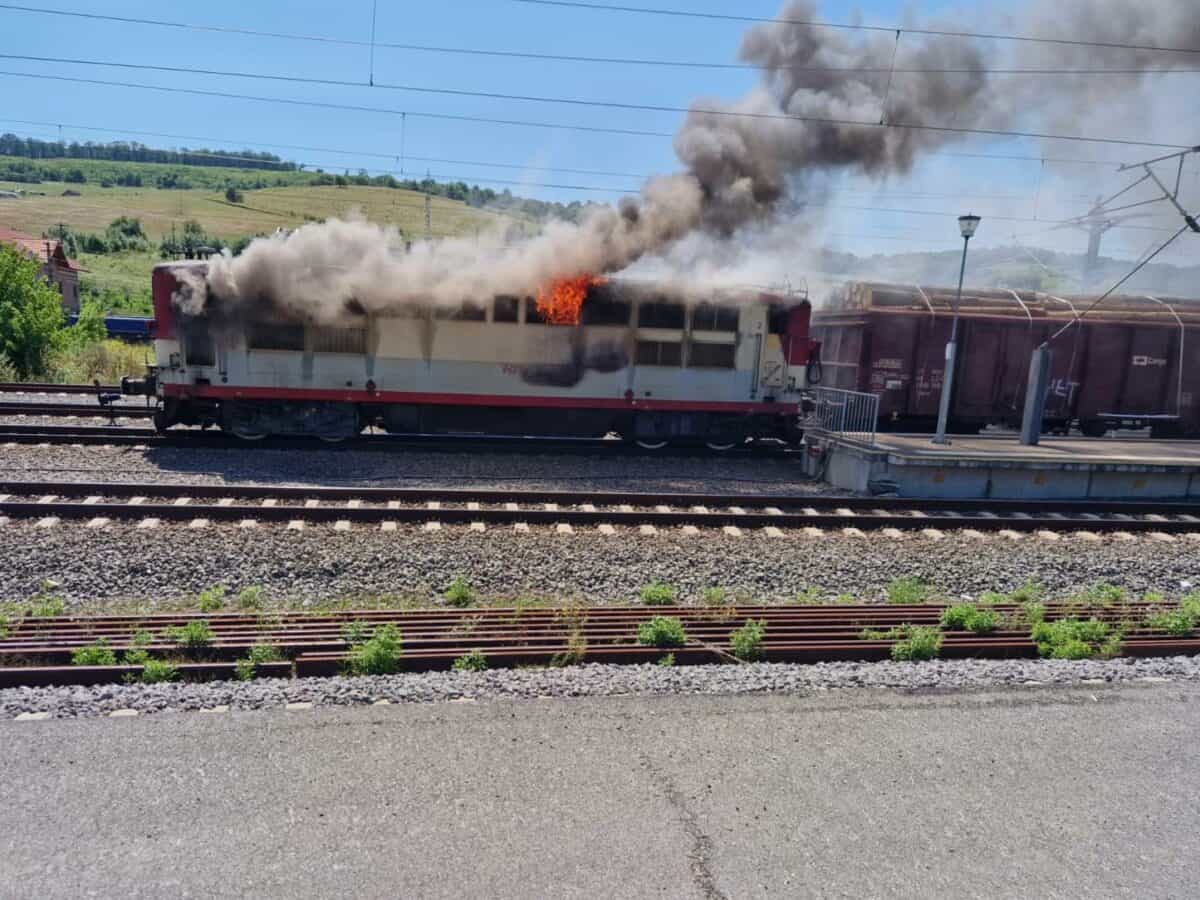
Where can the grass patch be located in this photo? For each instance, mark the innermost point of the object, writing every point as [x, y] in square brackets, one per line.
[379, 654]
[920, 642]
[459, 593]
[252, 597]
[247, 667]
[97, 654]
[474, 661]
[136, 653]
[907, 591]
[1072, 638]
[157, 670]
[658, 593]
[746, 642]
[714, 596]
[662, 631]
[666, 661]
[45, 605]
[809, 596]
[969, 617]
[193, 637]
[211, 599]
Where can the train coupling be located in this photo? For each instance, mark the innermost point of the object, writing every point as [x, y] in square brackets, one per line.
[141, 387]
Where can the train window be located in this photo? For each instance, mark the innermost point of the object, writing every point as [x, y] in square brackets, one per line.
[660, 315]
[702, 355]
[198, 343]
[275, 336]
[710, 317]
[777, 320]
[532, 314]
[659, 353]
[601, 310]
[506, 308]
[467, 312]
[339, 340]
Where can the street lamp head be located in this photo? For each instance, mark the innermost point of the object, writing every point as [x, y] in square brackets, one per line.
[968, 224]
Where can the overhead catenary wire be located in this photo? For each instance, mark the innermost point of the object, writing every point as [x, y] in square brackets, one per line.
[851, 26]
[529, 98]
[373, 44]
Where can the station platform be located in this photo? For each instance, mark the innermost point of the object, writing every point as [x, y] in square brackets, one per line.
[910, 465]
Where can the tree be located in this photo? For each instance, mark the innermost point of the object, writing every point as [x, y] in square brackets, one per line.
[31, 320]
[89, 327]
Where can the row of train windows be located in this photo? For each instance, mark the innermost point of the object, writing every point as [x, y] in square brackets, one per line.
[601, 311]
[700, 355]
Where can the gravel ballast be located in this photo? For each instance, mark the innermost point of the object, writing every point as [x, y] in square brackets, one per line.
[470, 468]
[588, 681]
[173, 563]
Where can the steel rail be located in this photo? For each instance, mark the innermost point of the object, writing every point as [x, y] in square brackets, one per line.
[117, 410]
[20, 387]
[35, 650]
[981, 508]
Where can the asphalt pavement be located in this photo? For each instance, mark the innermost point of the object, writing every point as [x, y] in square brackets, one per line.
[1038, 792]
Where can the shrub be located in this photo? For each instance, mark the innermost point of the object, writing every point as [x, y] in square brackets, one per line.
[1072, 638]
[250, 597]
[474, 661]
[137, 654]
[259, 653]
[107, 360]
[968, 617]
[920, 642]
[212, 599]
[47, 606]
[662, 631]
[192, 637]
[459, 593]
[97, 654]
[1029, 592]
[656, 593]
[355, 632]
[156, 670]
[907, 591]
[379, 654]
[808, 596]
[747, 640]
[1175, 622]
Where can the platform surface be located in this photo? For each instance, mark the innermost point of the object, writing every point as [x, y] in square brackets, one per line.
[1068, 450]
[1033, 792]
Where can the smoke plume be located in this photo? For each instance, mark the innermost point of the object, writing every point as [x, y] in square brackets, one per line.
[743, 162]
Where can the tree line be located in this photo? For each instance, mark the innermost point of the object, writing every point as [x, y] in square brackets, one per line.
[132, 151]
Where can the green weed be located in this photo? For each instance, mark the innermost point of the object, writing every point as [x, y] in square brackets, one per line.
[662, 631]
[668, 660]
[713, 596]
[474, 661]
[907, 591]
[920, 642]
[459, 593]
[97, 654]
[809, 596]
[1072, 638]
[191, 637]
[379, 654]
[657, 593]
[355, 632]
[211, 599]
[746, 642]
[969, 617]
[247, 666]
[250, 597]
[156, 670]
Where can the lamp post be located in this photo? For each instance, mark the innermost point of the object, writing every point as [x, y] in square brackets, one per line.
[967, 225]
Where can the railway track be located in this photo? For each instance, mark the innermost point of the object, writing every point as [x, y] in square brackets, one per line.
[38, 651]
[100, 502]
[21, 387]
[15, 434]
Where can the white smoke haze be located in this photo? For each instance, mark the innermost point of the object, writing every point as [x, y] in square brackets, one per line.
[736, 213]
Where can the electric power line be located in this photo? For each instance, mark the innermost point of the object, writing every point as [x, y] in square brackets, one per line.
[890, 29]
[526, 98]
[578, 58]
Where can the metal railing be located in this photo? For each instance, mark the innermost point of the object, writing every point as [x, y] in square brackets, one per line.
[850, 414]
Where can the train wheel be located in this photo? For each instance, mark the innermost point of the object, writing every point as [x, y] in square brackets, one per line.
[249, 435]
[333, 438]
[720, 447]
[650, 445]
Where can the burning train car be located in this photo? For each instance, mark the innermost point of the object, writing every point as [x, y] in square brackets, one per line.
[584, 358]
[1132, 361]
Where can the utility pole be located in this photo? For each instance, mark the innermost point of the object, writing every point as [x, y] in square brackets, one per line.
[1039, 365]
[966, 225]
[428, 217]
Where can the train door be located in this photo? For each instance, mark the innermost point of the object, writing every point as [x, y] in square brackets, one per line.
[978, 371]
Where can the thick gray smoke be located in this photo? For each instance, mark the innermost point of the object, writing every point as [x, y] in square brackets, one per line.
[739, 169]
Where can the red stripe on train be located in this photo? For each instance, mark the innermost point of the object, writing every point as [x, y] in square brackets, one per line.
[344, 396]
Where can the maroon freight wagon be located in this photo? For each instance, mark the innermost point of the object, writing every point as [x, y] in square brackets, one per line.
[1131, 362]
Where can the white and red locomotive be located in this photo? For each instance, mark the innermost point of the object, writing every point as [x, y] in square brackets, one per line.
[637, 361]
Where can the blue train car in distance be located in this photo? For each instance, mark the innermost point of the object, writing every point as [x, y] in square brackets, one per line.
[135, 329]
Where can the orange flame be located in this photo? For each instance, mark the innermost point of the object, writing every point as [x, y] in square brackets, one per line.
[560, 301]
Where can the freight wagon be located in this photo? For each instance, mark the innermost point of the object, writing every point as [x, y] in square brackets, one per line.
[637, 361]
[1132, 362]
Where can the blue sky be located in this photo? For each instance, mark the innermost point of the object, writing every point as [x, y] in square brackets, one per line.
[998, 188]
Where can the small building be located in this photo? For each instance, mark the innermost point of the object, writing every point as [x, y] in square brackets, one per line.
[60, 271]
